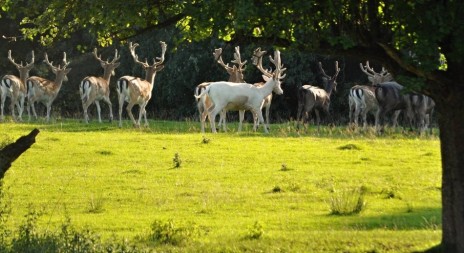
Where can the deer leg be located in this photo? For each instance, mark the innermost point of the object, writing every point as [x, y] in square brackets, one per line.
[212, 112]
[49, 108]
[121, 104]
[222, 120]
[268, 108]
[21, 107]
[110, 107]
[129, 112]
[241, 116]
[12, 106]
[97, 104]
[2, 103]
[85, 107]
[32, 102]
[144, 113]
[259, 113]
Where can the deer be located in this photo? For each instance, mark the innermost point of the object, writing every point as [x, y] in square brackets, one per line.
[257, 60]
[361, 98]
[15, 87]
[93, 89]
[235, 75]
[243, 96]
[44, 90]
[314, 98]
[135, 90]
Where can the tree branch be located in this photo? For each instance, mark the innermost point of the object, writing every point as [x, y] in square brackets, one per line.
[12, 151]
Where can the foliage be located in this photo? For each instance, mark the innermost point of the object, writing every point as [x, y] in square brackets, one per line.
[168, 232]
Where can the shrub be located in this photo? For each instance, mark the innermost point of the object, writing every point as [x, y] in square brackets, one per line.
[347, 202]
[167, 232]
[255, 232]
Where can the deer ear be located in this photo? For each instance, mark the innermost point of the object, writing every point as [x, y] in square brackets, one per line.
[266, 78]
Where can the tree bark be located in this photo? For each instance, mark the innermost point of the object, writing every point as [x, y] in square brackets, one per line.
[12, 151]
[451, 123]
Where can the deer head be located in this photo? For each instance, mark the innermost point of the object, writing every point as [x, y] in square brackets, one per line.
[108, 65]
[60, 72]
[157, 62]
[236, 71]
[23, 69]
[330, 81]
[374, 77]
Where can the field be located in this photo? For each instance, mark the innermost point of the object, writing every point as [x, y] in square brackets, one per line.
[230, 192]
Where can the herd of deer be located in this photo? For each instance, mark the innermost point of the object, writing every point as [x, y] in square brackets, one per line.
[383, 95]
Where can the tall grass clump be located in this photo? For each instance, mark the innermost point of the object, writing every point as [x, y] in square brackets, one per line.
[347, 202]
[168, 232]
[5, 210]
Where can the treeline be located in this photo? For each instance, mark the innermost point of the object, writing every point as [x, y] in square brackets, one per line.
[186, 65]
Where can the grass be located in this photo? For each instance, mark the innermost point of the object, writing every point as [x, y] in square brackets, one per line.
[275, 189]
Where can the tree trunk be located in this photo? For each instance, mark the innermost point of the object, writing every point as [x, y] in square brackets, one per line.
[12, 151]
[451, 123]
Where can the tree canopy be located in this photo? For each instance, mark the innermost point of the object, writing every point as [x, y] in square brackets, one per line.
[420, 42]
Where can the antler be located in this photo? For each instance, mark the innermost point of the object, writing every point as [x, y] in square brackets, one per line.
[145, 64]
[65, 63]
[373, 76]
[18, 66]
[337, 70]
[279, 66]
[98, 57]
[218, 58]
[237, 60]
[257, 60]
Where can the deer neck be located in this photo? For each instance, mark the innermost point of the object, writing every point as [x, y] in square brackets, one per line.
[329, 89]
[107, 74]
[150, 76]
[23, 75]
[267, 88]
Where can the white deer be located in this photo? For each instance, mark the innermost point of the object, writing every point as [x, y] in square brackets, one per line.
[15, 87]
[44, 90]
[243, 96]
[235, 75]
[135, 90]
[93, 89]
[257, 60]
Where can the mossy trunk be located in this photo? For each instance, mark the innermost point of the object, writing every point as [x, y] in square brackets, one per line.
[451, 123]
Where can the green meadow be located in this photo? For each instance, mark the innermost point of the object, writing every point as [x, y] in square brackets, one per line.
[229, 192]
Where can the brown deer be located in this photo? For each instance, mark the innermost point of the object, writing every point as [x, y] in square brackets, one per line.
[314, 98]
[15, 87]
[93, 89]
[44, 90]
[361, 98]
[135, 90]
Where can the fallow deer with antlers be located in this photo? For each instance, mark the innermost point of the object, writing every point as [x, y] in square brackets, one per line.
[15, 87]
[44, 90]
[361, 98]
[93, 89]
[314, 98]
[135, 90]
[243, 96]
[235, 75]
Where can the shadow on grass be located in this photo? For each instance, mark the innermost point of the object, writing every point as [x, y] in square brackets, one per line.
[418, 218]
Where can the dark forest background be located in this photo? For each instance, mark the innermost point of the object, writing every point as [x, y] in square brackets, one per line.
[187, 64]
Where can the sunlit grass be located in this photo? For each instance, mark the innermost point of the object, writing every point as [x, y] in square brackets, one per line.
[119, 181]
